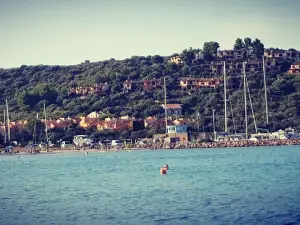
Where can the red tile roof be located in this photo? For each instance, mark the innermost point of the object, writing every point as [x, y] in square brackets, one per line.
[201, 79]
[173, 106]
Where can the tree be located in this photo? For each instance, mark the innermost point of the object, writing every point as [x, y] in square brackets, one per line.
[36, 127]
[258, 48]
[157, 59]
[45, 92]
[239, 44]
[248, 43]
[28, 98]
[188, 55]
[210, 49]
[1, 139]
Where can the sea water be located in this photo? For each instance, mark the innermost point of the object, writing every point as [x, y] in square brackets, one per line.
[259, 185]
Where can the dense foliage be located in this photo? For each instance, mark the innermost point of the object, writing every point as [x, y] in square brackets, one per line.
[27, 87]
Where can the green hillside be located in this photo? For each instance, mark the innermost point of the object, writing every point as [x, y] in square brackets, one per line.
[27, 87]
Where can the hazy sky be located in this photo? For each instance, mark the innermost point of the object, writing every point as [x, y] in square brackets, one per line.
[70, 31]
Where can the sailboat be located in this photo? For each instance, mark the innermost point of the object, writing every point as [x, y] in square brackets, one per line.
[46, 127]
[165, 101]
[8, 149]
[265, 89]
[224, 136]
[4, 125]
[259, 136]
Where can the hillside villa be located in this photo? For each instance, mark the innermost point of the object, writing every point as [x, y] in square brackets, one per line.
[295, 68]
[194, 83]
[101, 88]
[177, 59]
[173, 109]
[154, 84]
[281, 54]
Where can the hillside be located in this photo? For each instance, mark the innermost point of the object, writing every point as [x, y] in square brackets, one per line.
[27, 87]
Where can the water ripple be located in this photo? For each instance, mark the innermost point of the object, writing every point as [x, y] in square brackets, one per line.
[216, 186]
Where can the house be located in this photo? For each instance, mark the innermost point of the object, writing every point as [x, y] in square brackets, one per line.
[180, 121]
[193, 83]
[277, 54]
[150, 121]
[113, 124]
[101, 88]
[282, 54]
[87, 122]
[127, 118]
[254, 66]
[173, 109]
[231, 54]
[14, 126]
[153, 84]
[206, 68]
[179, 131]
[129, 85]
[155, 122]
[93, 115]
[176, 59]
[61, 123]
[295, 68]
[176, 129]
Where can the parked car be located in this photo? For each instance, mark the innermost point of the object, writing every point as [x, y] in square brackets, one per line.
[67, 145]
[116, 142]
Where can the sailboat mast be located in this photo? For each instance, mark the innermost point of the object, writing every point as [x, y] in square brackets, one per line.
[4, 123]
[245, 99]
[46, 131]
[225, 97]
[265, 87]
[8, 123]
[249, 95]
[165, 98]
[35, 128]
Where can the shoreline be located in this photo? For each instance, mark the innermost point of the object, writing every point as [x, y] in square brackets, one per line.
[186, 146]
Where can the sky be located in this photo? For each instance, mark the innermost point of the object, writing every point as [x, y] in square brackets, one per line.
[67, 32]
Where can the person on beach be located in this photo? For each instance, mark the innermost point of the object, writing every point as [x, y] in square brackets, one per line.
[164, 169]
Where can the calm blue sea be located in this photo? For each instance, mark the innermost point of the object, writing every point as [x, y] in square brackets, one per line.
[259, 185]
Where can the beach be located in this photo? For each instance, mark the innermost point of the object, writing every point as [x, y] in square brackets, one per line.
[160, 146]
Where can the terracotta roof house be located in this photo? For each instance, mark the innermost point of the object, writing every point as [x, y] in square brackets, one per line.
[173, 109]
[100, 88]
[295, 68]
[130, 85]
[282, 54]
[194, 83]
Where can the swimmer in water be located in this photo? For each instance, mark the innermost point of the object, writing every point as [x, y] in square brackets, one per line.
[164, 169]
